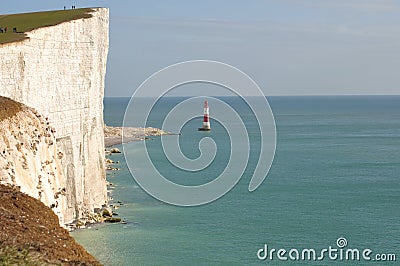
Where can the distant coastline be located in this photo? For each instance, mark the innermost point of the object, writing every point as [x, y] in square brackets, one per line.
[119, 135]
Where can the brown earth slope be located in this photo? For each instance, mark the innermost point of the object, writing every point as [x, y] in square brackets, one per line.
[30, 234]
[8, 108]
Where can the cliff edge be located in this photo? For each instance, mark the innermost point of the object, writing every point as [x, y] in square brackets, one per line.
[59, 71]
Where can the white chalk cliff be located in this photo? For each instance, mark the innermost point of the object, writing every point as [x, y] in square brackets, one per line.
[59, 71]
[28, 155]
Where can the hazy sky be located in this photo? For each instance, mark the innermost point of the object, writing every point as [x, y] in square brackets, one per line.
[296, 47]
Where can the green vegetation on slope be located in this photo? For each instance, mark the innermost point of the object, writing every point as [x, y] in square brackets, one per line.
[30, 21]
[21, 256]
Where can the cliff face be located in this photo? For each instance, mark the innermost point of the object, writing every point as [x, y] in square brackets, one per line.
[28, 155]
[59, 71]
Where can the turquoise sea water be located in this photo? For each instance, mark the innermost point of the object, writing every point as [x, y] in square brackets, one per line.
[336, 173]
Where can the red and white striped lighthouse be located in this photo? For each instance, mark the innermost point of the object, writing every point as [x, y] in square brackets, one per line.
[206, 120]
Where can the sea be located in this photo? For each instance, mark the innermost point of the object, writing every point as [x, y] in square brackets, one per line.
[333, 186]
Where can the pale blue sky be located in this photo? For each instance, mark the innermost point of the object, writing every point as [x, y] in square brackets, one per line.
[292, 47]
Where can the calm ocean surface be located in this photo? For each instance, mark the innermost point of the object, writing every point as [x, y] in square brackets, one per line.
[336, 173]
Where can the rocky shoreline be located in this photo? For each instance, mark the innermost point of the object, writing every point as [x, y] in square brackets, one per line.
[107, 213]
[114, 136]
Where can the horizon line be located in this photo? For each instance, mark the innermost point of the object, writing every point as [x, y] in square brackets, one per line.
[283, 95]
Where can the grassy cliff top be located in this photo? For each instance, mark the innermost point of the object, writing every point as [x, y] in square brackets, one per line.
[29, 21]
